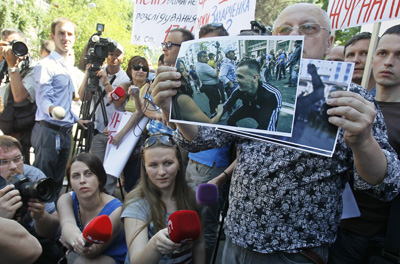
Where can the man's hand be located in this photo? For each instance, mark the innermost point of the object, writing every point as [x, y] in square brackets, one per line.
[83, 123]
[10, 201]
[11, 59]
[354, 114]
[165, 86]
[37, 209]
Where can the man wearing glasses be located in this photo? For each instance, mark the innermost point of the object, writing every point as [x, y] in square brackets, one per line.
[285, 204]
[173, 43]
[41, 220]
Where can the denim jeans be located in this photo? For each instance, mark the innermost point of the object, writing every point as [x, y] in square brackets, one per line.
[234, 254]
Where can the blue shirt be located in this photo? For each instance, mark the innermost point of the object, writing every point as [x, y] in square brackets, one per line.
[54, 87]
[228, 71]
[219, 156]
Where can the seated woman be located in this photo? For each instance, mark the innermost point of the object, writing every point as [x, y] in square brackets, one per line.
[161, 190]
[87, 177]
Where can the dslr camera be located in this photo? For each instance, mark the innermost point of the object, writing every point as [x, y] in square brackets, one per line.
[44, 190]
[19, 49]
[97, 52]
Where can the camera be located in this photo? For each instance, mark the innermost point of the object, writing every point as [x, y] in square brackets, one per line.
[44, 190]
[18, 48]
[97, 52]
[257, 28]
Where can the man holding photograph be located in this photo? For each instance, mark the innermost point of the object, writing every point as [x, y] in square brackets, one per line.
[285, 204]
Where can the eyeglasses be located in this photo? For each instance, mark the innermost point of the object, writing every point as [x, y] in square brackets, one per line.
[137, 67]
[164, 139]
[7, 162]
[308, 29]
[169, 45]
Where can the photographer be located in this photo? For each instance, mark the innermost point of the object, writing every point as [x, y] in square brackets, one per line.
[40, 219]
[19, 90]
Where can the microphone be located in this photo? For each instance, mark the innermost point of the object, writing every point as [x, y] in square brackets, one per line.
[116, 94]
[98, 230]
[207, 194]
[184, 226]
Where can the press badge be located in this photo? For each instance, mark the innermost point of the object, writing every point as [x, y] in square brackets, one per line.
[58, 144]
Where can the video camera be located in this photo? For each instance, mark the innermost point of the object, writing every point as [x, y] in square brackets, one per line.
[97, 52]
[257, 28]
[44, 190]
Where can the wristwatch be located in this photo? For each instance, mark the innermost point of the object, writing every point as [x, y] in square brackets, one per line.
[11, 70]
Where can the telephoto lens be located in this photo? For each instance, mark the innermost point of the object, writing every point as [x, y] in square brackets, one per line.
[19, 48]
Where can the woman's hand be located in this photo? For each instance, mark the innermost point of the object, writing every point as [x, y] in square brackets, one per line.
[163, 243]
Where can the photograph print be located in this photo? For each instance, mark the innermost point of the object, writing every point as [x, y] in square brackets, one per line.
[312, 131]
[246, 83]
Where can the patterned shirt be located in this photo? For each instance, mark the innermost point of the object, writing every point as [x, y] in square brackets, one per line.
[282, 199]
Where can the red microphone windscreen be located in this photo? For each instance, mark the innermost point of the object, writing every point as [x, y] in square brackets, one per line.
[207, 194]
[184, 226]
[99, 230]
[117, 93]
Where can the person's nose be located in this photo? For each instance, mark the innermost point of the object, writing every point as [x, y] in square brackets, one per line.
[295, 31]
[389, 61]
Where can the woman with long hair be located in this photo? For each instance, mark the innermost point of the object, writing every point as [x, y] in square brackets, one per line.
[161, 191]
[86, 177]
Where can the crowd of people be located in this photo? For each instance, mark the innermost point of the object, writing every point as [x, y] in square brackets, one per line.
[285, 205]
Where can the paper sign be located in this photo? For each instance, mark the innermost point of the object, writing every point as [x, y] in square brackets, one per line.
[116, 158]
[351, 13]
[235, 15]
[154, 19]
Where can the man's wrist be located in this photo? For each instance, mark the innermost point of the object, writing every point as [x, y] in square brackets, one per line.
[106, 84]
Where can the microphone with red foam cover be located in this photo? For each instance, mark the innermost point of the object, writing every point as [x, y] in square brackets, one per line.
[207, 194]
[116, 94]
[184, 226]
[98, 230]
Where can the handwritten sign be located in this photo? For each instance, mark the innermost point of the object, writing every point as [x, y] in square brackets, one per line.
[235, 15]
[154, 19]
[351, 13]
[116, 158]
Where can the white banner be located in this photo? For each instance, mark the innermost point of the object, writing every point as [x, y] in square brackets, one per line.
[116, 158]
[351, 13]
[154, 19]
[235, 15]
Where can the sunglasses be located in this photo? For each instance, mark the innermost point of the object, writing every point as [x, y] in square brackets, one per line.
[137, 67]
[163, 139]
[169, 45]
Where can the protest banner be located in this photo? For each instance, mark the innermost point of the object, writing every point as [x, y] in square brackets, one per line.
[350, 13]
[233, 14]
[154, 19]
[116, 157]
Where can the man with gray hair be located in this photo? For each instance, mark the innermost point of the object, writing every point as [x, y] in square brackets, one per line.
[285, 204]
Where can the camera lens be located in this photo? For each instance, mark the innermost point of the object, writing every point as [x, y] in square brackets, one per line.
[19, 48]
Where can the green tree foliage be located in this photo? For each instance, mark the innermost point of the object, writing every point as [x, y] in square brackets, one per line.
[115, 14]
[268, 11]
[25, 16]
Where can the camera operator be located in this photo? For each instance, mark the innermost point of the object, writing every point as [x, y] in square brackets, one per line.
[111, 76]
[19, 90]
[42, 219]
